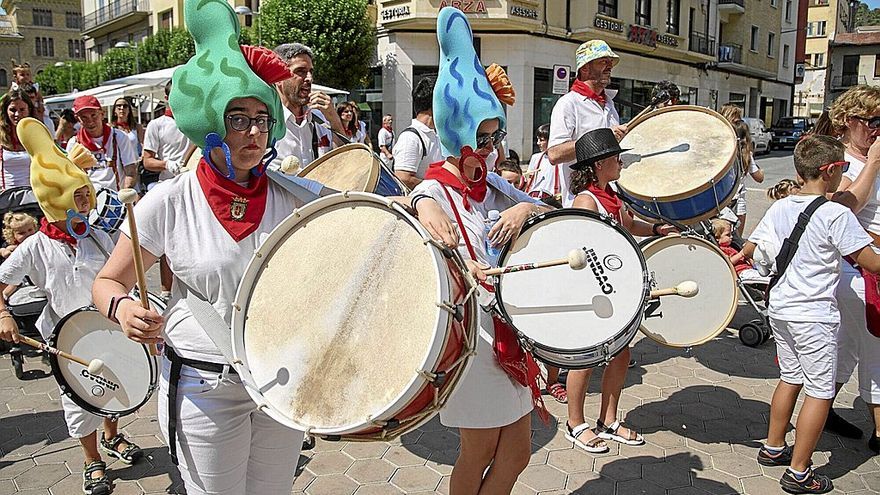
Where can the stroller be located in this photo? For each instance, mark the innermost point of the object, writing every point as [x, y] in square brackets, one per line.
[27, 303]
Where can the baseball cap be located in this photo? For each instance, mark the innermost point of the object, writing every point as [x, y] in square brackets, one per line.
[592, 50]
[85, 102]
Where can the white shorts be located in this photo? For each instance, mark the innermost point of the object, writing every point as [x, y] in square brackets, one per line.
[80, 423]
[807, 354]
[857, 345]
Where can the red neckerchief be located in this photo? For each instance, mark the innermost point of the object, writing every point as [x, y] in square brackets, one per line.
[57, 234]
[475, 190]
[86, 140]
[609, 200]
[168, 112]
[123, 125]
[585, 90]
[239, 209]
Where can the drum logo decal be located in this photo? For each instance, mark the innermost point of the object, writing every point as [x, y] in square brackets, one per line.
[613, 262]
[599, 272]
[100, 381]
[238, 207]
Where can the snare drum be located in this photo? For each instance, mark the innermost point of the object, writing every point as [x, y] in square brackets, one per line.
[683, 164]
[109, 213]
[386, 320]
[574, 319]
[130, 373]
[688, 321]
[354, 167]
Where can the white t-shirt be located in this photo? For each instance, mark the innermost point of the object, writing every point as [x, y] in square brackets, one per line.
[102, 174]
[544, 175]
[47, 120]
[386, 138]
[805, 291]
[165, 140]
[504, 194]
[16, 168]
[298, 138]
[361, 134]
[869, 216]
[572, 117]
[64, 275]
[175, 220]
[132, 136]
[408, 150]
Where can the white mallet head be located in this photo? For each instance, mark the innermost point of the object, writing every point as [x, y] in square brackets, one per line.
[290, 165]
[577, 259]
[127, 196]
[688, 288]
[95, 366]
[602, 306]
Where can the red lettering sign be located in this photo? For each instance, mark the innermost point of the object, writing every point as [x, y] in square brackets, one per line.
[642, 35]
[466, 6]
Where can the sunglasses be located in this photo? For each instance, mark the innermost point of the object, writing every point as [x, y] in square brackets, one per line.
[496, 137]
[844, 166]
[123, 105]
[872, 123]
[241, 122]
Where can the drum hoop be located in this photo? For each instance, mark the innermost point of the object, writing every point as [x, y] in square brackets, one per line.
[68, 390]
[608, 220]
[706, 185]
[632, 330]
[372, 180]
[289, 225]
[731, 313]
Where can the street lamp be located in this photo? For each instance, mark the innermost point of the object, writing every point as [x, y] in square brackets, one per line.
[69, 74]
[247, 12]
[125, 44]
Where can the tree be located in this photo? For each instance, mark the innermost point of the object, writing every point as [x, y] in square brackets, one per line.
[339, 32]
[865, 16]
[83, 75]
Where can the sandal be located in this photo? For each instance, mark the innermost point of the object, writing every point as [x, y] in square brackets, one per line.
[92, 485]
[595, 445]
[557, 390]
[610, 433]
[128, 455]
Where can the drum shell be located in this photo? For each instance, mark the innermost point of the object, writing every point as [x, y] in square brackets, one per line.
[109, 213]
[370, 174]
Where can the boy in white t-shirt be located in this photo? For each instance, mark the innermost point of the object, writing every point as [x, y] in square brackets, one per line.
[803, 307]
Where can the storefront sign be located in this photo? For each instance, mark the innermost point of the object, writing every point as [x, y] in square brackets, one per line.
[650, 37]
[395, 13]
[561, 75]
[523, 12]
[668, 40]
[608, 24]
[466, 6]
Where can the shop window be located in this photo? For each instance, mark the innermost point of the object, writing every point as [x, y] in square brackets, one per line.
[771, 42]
[643, 12]
[42, 17]
[608, 7]
[753, 44]
[544, 100]
[673, 16]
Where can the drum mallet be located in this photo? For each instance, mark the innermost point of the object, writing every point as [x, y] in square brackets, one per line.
[577, 260]
[688, 288]
[94, 366]
[290, 165]
[128, 197]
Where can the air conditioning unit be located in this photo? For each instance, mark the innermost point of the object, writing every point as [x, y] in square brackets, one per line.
[799, 70]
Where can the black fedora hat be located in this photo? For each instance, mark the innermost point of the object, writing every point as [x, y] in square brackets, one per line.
[594, 146]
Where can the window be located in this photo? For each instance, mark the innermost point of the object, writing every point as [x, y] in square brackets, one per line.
[816, 28]
[45, 47]
[876, 67]
[673, 16]
[165, 19]
[42, 17]
[753, 45]
[608, 7]
[73, 20]
[819, 60]
[76, 49]
[774, 3]
[4, 79]
[771, 42]
[643, 12]
[786, 51]
[788, 10]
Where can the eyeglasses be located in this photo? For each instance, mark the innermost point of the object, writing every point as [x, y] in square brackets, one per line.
[844, 166]
[496, 137]
[872, 122]
[241, 122]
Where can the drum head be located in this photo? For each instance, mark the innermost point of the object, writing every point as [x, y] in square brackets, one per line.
[676, 152]
[688, 321]
[564, 309]
[129, 375]
[353, 167]
[337, 312]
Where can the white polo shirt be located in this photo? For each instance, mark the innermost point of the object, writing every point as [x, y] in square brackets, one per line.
[298, 138]
[102, 175]
[165, 140]
[573, 116]
[408, 150]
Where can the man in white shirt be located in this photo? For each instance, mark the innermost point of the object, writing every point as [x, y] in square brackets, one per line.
[117, 159]
[418, 146]
[386, 139]
[306, 113]
[588, 106]
[164, 144]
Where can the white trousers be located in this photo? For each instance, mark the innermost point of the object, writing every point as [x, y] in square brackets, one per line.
[857, 345]
[80, 423]
[224, 444]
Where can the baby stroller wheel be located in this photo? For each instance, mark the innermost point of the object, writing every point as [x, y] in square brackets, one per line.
[767, 333]
[751, 335]
[17, 361]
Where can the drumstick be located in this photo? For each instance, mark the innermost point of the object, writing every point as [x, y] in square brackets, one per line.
[94, 366]
[688, 288]
[128, 197]
[577, 260]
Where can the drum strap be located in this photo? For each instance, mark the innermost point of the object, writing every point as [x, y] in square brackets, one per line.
[790, 245]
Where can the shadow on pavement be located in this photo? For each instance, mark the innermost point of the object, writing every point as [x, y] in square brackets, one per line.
[644, 474]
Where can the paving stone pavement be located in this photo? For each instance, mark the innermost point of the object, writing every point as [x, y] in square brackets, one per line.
[701, 412]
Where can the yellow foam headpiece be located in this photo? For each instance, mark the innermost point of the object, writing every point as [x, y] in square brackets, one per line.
[54, 178]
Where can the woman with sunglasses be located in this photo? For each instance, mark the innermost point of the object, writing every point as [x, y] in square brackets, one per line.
[125, 120]
[208, 224]
[855, 116]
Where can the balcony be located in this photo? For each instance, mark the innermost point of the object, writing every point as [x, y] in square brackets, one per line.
[730, 53]
[115, 16]
[847, 80]
[701, 43]
[732, 6]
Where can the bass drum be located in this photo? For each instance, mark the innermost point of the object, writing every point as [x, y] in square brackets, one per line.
[354, 167]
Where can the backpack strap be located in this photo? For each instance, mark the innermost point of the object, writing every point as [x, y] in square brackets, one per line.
[421, 141]
[790, 245]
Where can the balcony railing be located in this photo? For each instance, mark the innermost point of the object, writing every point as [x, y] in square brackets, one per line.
[738, 3]
[848, 80]
[701, 43]
[730, 53]
[113, 11]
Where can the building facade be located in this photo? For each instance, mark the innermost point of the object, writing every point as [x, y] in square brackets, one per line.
[853, 58]
[825, 19]
[715, 50]
[39, 32]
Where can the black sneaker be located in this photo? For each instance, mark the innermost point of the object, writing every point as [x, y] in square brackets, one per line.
[874, 443]
[812, 483]
[781, 458]
[839, 426]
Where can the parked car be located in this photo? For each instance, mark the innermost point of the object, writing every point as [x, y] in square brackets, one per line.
[787, 131]
[761, 137]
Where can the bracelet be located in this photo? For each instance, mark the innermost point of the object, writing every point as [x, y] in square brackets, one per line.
[415, 200]
[655, 227]
[114, 306]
